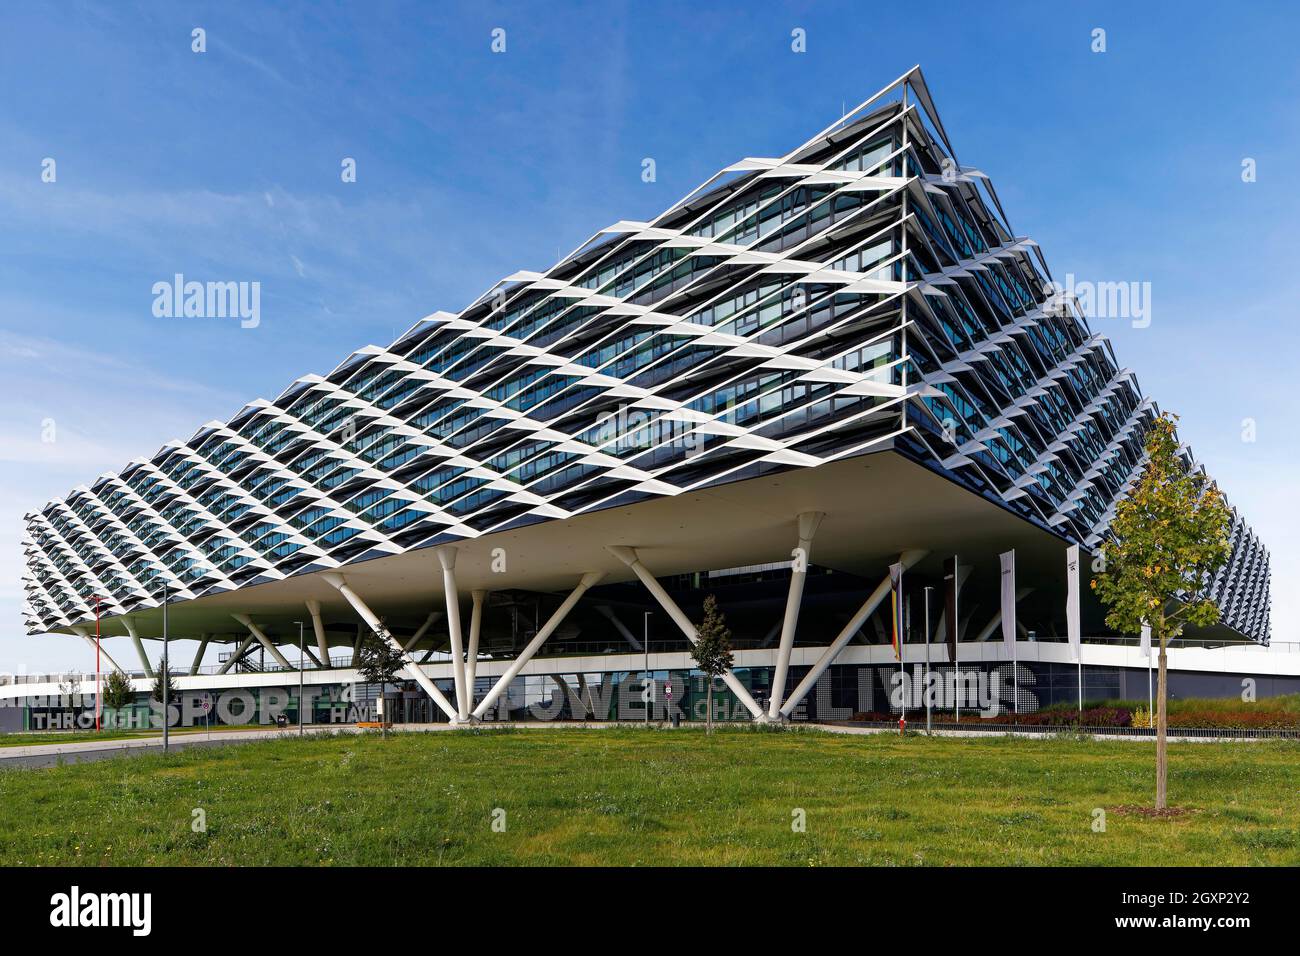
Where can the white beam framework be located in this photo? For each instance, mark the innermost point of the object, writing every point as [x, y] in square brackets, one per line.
[471, 655]
[907, 559]
[323, 645]
[239, 652]
[90, 639]
[258, 633]
[629, 557]
[432, 619]
[588, 580]
[802, 556]
[447, 558]
[139, 647]
[198, 655]
[420, 677]
[619, 626]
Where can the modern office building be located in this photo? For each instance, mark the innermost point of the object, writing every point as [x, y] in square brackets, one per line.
[810, 368]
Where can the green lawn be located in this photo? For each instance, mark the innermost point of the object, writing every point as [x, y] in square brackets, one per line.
[632, 796]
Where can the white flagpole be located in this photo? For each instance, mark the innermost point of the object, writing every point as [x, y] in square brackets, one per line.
[1072, 612]
[925, 685]
[902, 644]
[1146, 649]
[1008, 603]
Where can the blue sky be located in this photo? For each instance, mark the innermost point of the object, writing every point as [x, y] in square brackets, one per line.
[1124, 165]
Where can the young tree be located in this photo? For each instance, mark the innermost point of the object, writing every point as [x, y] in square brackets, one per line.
[117, 692]
[379, 662]
[157, 691]
[712, 650]
[1169, 537]
[164, 678]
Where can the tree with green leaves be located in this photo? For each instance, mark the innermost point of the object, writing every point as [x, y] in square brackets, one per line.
[379, 662]
[1168, 539]
[164, 678]
[712, 650]
[158, 682]
[117, 692]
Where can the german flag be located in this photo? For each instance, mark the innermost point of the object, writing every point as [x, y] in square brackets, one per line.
[896, 608]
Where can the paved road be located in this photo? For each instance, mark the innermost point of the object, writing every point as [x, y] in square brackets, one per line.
[52, 755]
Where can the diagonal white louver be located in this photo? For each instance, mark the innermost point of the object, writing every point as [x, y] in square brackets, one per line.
[865, 290]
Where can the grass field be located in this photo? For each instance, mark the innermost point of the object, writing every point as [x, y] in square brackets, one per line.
[631, 796]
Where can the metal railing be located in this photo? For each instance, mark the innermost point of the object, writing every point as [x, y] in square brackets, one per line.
[602, 648]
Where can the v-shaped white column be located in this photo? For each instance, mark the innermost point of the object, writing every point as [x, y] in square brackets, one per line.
[993, 623]
[629, 557]
[447, 558]
[619, 626]
[257, 632]
[376, 625]
[90, 639]
[432, 619]
[906, 559]
[198, 655]
[239, 652]
[323, 645]
[139, 647]
[555, 620]
[801, 556]
[471, 654]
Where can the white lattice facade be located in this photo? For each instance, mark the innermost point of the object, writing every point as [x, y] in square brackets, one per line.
[864, 291]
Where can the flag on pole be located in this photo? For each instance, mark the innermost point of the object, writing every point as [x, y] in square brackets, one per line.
[950, 606]
[896, 608]
[1072, 600]
[1008, 559]
[1146, 640]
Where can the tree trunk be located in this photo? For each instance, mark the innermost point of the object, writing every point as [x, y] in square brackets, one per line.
[1162, 743]
[708, 703]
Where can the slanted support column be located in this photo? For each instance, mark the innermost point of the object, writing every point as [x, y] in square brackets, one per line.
[471, 654]
[992, 625]
[323, 645]
[198, 655]
[89, 639]
[447, 558]
[429, 621]
[239, 652]
[256, 631]
[801, 556]
[419, 676]
[629, 557]
[139, 647]
[556, 619]
[906, 559]
[619, 626]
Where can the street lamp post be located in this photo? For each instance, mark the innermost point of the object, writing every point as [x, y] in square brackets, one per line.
[99, 707]
[301, 657]
[645, 642]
